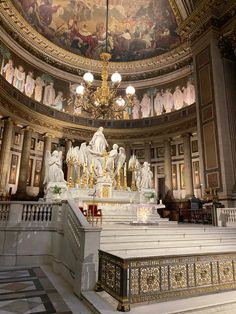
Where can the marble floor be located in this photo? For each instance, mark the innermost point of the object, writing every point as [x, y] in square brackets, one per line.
[29, 290]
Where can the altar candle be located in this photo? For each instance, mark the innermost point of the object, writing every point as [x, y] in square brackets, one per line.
[125, 170]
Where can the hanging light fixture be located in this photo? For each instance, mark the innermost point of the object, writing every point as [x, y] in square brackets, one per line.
[104, 102]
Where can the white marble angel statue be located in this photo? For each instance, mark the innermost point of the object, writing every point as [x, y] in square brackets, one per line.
[49, 95]
[53, 167]
[29, 84]
[95, 159]
[38, 92]
[158, 104]
[146, 176]
[98, 142]
[19, 78]
[112, 157]
[9, 71]
[137, 175]
[145, 106]
[121, 158]
[178, 98]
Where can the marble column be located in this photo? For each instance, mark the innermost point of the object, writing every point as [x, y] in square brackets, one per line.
[47, 147]
[127, 147]
[24, 164]
[188, 171]
[68, 145]
[5, 154]
[168, 166]
[147, 152]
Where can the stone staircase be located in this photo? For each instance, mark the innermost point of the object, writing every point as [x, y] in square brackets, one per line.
[161, 237]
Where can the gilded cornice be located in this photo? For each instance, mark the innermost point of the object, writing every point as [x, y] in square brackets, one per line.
[208, 12]
[44, 119]
[31, 40]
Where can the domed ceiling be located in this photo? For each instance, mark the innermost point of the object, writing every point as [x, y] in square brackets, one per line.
[138, 29]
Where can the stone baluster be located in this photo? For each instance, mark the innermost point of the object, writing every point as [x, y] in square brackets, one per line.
[24, 164]
[5, 153]
[168, 166]
[188, 171]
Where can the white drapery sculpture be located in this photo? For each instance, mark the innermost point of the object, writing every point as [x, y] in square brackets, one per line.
[53, 167]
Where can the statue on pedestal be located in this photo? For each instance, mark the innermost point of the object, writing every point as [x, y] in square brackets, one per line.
[9, 71]
[98, 142]
[145, 106]
[146, 176]
[53, 167]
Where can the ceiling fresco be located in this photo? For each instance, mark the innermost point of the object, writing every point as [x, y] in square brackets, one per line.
[137, 29]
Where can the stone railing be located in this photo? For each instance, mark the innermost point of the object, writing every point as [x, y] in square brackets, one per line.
[226, 217]
[36, 233]
[144, 279]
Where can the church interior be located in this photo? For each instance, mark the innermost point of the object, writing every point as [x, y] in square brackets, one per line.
[117, 156]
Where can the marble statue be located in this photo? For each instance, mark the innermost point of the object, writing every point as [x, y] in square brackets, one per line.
[96, 159]
[29, 84]
[168, 100]
[38, 91]
[9, 71]
[137, 175]
[145, 106]
[98, 142]
[136, 107]
[120, 158]
[158, 104]
[112, 156]
[19, 78]
[189, 93]
[53, 167]
[178, 98]
[58, 103]
[146, 176]
[49, 95]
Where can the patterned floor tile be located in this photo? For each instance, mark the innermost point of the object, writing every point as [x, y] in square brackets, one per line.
[16, 286]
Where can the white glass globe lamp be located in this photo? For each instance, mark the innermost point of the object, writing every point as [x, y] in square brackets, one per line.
[80, 90]
[88, 78]
[130, 90]
[116, 78]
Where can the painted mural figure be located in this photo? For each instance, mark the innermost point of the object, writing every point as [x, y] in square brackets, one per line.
[49, 95]
[30, 84]
[168, 100]
[58, 103]
[19, 78]
[189, 93]
[9, 71]
[145, 106]
[158, 103]
[178, 98]
[136, 108]
[38, 92]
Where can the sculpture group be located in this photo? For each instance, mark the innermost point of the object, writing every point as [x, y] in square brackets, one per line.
[92, 162]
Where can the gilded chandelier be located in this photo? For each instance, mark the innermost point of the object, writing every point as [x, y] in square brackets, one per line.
[104, 102]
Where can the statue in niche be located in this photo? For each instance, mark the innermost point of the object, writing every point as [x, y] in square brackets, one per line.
[146, 176]
[49, 95]
[53, 167]
[30, 84]
[189, 93]
[136, 107]
[19, 78]
[168, 100]
[38, 92]
[98, 142]
[178, 98]
[145, 106]
[9, 71]
[58, 103]
[112, 156]
[158, 103]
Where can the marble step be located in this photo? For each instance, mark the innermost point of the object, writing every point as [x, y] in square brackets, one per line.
[175, 250]
[175, 229]
[119, 245]
[162, 237]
